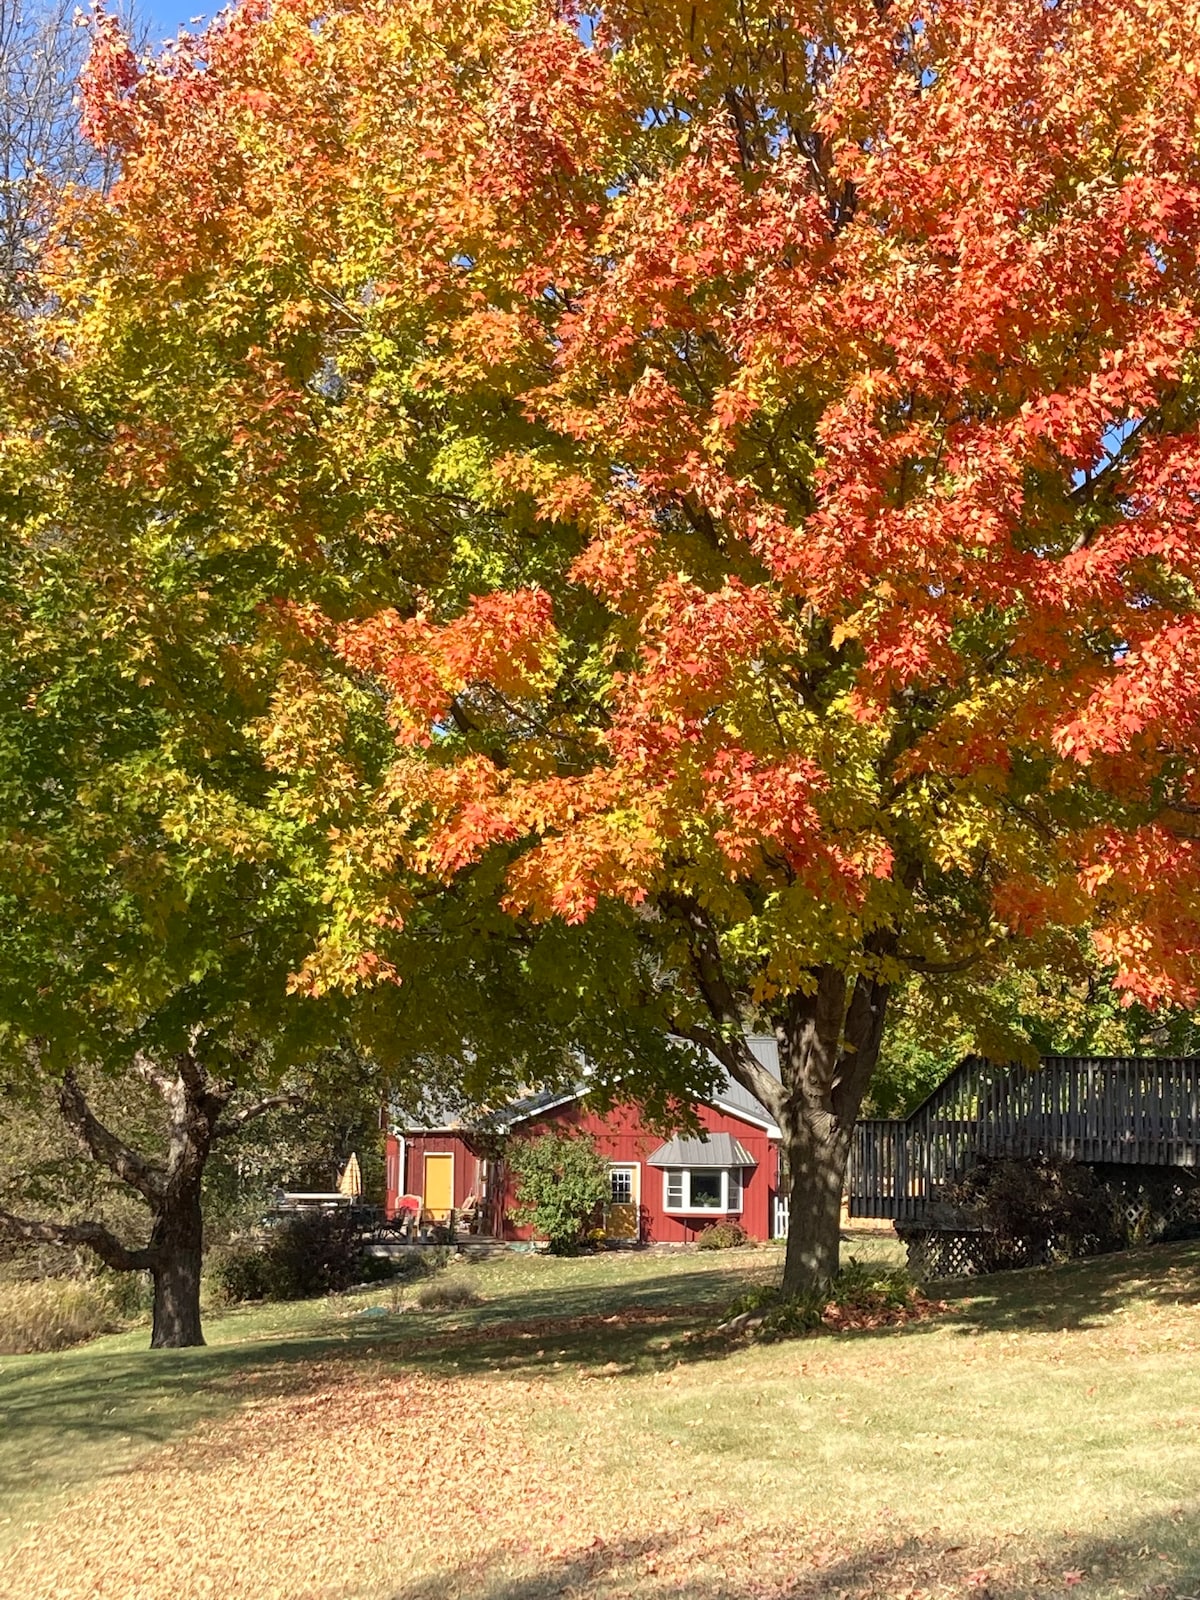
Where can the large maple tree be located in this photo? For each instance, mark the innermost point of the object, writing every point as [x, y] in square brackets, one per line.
[776, 425]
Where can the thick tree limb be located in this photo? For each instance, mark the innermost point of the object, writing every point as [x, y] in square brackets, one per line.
[717, 994]
[152, 1074]
[147, 1177]
[235, 1123]
[93, 1235]
[191, 1073]
[705, 951]
[737, 1057]
[865, 1017]
[809, 1040]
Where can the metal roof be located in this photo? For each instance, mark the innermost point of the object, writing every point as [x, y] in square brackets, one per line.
[717, 1150]
[446, 1116]
[733, 1097]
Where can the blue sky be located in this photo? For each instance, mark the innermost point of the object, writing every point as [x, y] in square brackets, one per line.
[165, 17]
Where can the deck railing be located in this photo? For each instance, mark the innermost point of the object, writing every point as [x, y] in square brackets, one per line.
[1126, 1110]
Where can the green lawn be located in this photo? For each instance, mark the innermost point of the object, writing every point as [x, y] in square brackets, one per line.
[1042, 1438]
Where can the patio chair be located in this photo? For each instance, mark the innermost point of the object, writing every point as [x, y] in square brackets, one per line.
[409, 1209]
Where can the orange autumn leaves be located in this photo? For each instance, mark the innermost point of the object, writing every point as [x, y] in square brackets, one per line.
[501, 640]
[783, 422]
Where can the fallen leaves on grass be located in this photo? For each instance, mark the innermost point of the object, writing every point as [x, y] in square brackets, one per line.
[782, 1319]
[849, 1319]
[367, 1485]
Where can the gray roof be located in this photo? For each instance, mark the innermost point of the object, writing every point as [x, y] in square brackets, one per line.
[732, 1095]
[434, 1115]
[716, 1150]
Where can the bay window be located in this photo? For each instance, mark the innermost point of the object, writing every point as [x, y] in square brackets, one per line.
[702, 1189]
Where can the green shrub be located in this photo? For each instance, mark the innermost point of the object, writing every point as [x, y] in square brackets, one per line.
[237, 1272]
[53, 1313]
[310, 1254]
[306, 1255]
[858, 1295]
[447, 1296]
[722, 1236]
[563, 1183]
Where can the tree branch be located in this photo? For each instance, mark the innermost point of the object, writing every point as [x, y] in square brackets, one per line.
[1097, 483]
[739, 1061]
[937, 968]
[808, 1041]
[191, 1072]
[93, 1235]
[228, 1126]
[147, 1177]
[856, 1062]
[705, 953]
[154, 1076]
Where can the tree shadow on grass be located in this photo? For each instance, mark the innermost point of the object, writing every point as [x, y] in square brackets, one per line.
[625, 1329]
[1154, 1559]
[663, 1328]
[66, 1419]
[90, 1414]
[1078, 1295]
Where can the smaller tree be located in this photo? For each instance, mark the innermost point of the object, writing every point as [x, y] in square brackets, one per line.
[562, 1184]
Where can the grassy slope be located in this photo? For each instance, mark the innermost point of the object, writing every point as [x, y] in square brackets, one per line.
[67, 1418]
[1043, 1438]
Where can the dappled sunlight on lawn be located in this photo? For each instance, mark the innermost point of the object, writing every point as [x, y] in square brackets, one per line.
[582, 1433]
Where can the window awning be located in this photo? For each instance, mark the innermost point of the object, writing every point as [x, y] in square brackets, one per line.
[718, 1150]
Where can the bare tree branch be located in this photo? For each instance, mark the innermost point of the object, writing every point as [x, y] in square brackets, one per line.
[41, 146]
[230, 1125]
[147, 1177]
[93, 1235]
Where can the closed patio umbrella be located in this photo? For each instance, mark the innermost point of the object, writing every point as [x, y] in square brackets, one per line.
[350, 1181]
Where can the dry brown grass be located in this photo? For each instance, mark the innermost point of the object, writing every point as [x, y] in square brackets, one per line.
[53, 1314]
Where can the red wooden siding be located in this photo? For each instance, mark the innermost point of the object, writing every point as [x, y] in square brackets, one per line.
[621, 1137]
[410, 1152]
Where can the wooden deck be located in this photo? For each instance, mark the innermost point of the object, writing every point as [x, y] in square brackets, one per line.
[1123, 1110]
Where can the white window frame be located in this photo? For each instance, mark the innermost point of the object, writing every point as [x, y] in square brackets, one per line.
[732, 1185]
[623, 1166]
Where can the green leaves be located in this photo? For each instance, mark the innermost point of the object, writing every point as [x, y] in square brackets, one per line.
[562, 1184]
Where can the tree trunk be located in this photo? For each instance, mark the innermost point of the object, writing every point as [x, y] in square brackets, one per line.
[196, 1106]
[829, 1044]
[176, 1246]
[816, 1160]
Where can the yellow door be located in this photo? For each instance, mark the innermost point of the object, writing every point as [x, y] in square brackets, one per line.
[621, 1218]
[439, 1186]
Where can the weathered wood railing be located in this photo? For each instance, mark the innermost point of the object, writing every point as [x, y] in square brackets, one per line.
[1098, 1109]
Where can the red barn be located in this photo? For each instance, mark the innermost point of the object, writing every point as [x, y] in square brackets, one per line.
[662, 1191]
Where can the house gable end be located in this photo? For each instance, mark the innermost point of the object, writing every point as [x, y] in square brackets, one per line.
[766, 1123]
